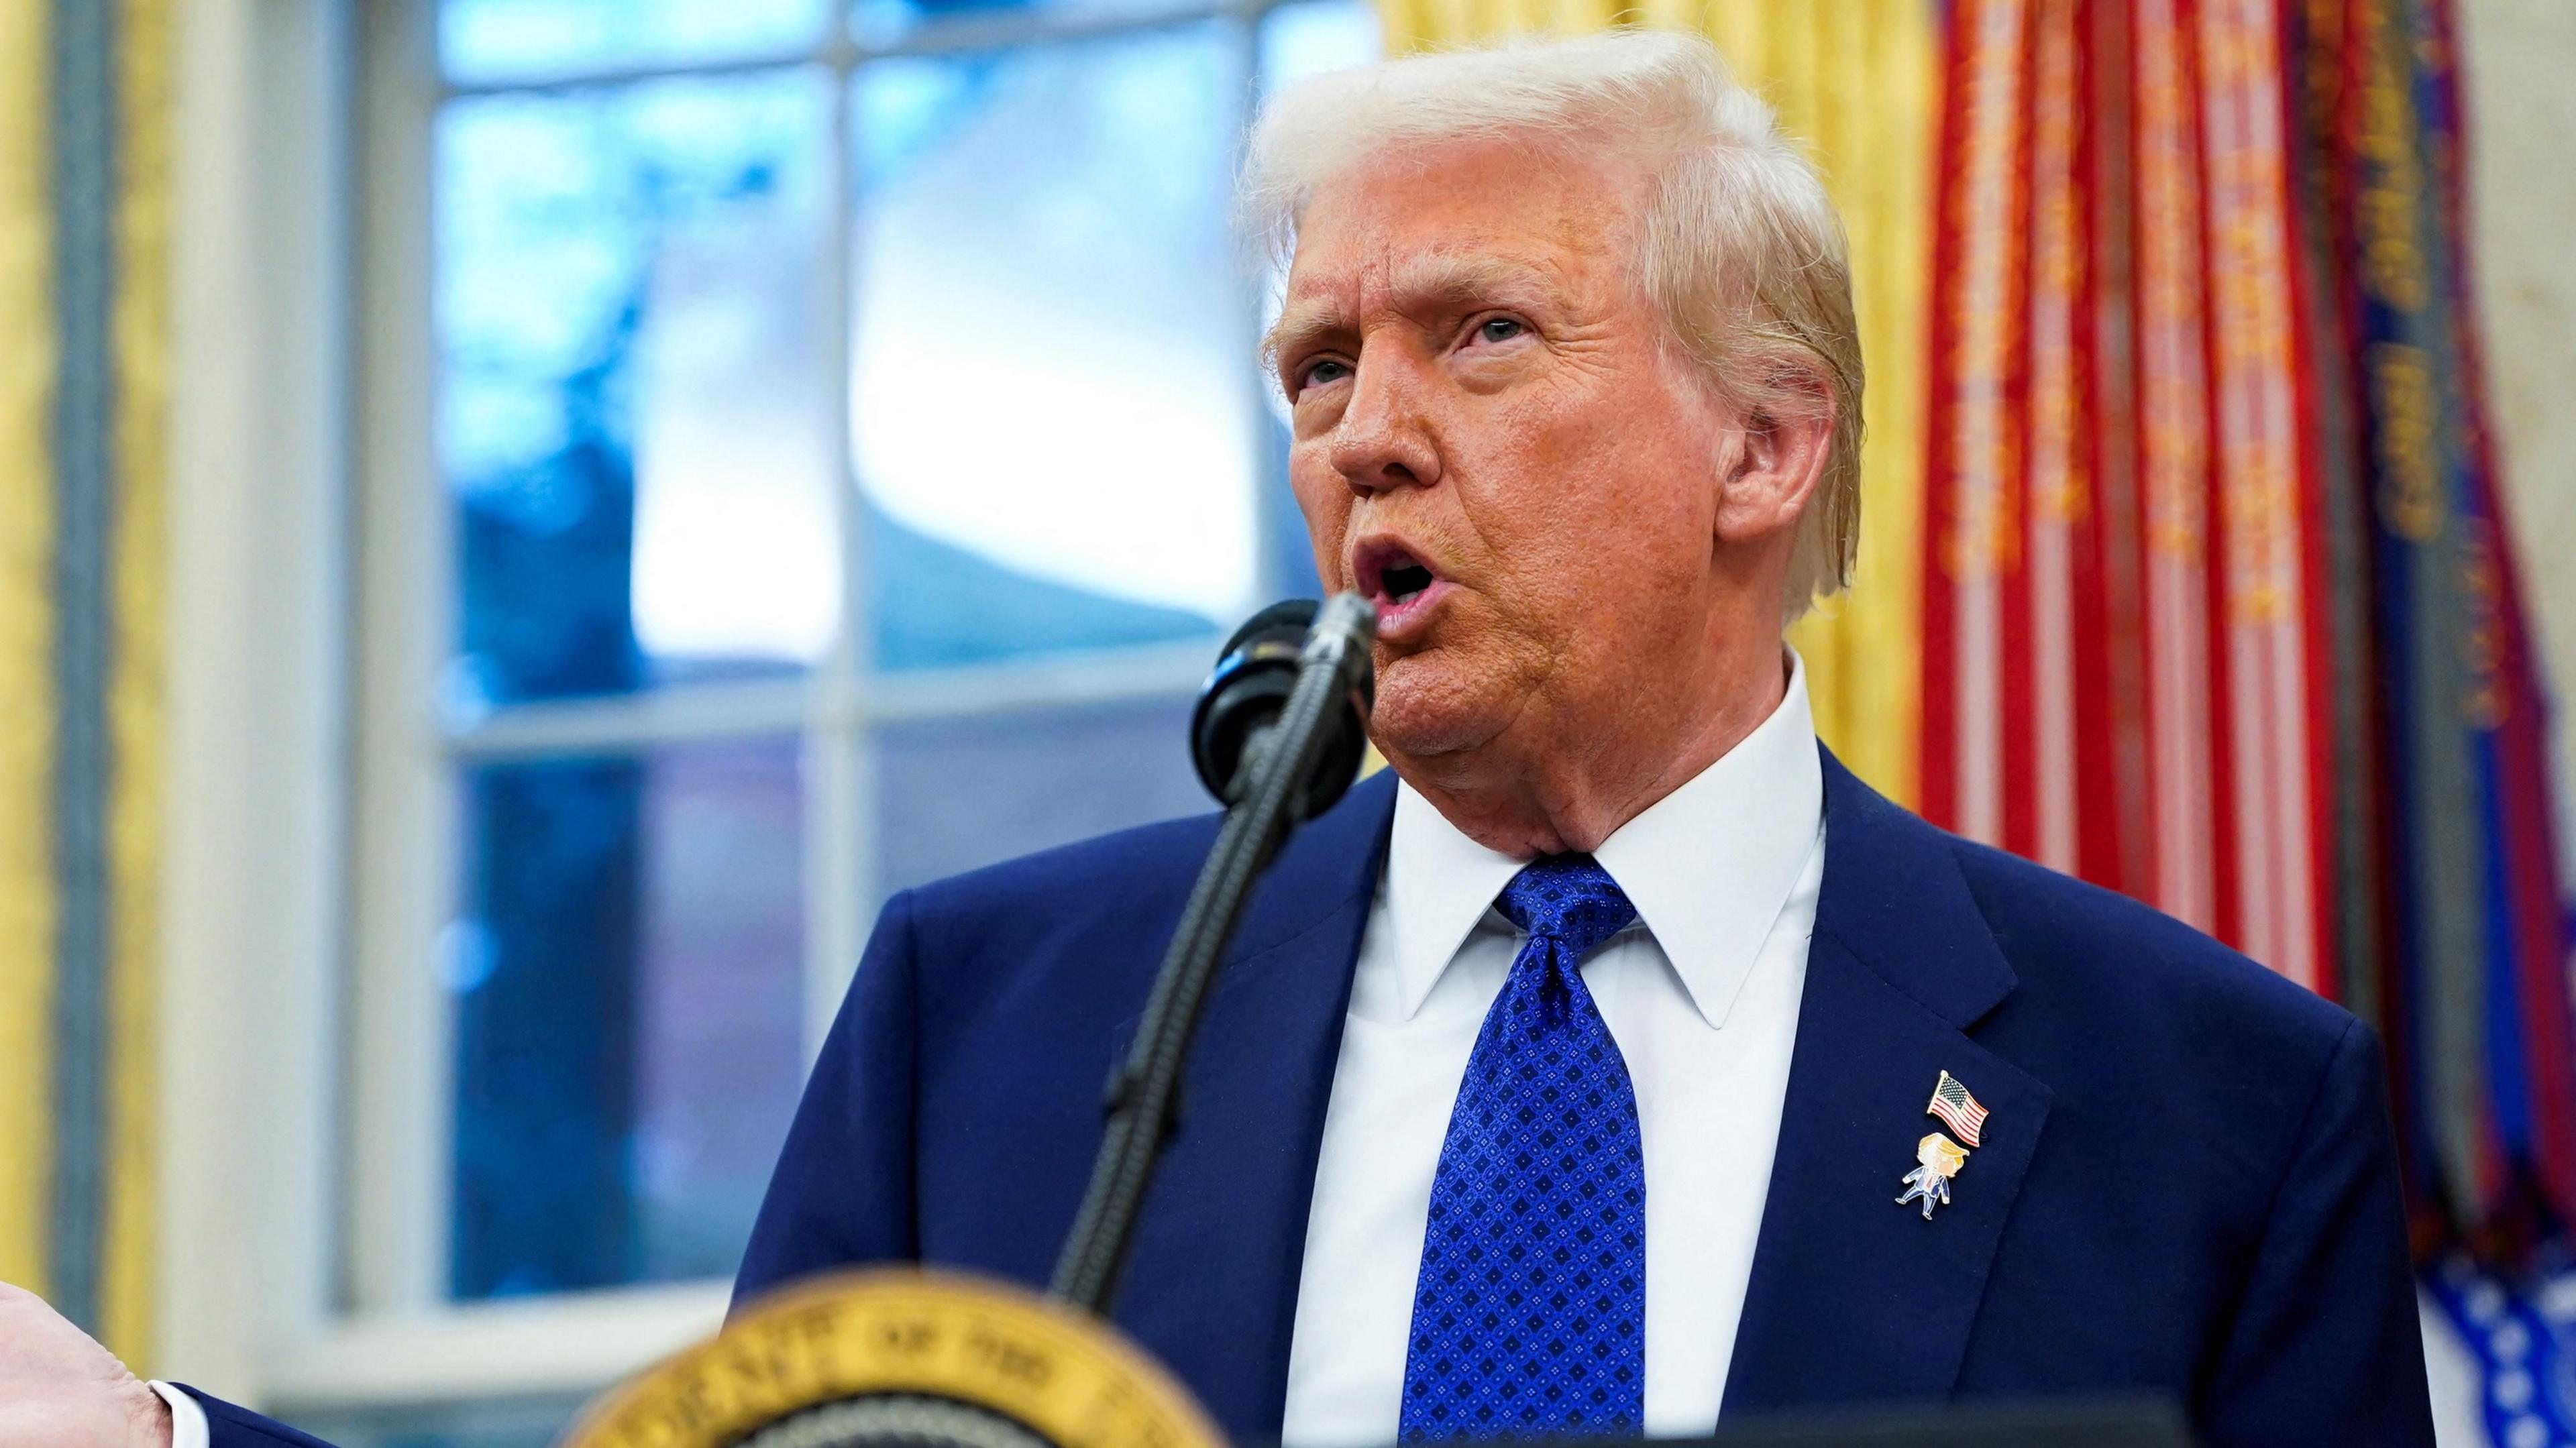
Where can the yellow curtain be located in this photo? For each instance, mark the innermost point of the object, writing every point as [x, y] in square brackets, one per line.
[26, 631]
[32, 1140]
[147, 59]
[1856, 81]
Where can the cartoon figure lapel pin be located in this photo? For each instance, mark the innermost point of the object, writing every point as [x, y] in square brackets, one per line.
[1939, 1158]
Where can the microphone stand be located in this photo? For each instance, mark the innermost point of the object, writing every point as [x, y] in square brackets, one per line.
[1143, 1099]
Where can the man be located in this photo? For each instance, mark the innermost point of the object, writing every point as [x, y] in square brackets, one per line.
[1576, 1075]
[1568, 351]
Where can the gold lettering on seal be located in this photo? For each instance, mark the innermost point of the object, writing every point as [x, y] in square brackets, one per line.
[1066, 1377]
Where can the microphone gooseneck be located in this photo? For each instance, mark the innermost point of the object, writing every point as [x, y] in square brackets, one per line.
[1276, 756]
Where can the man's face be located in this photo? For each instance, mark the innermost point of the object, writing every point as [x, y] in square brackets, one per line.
[1492, 441]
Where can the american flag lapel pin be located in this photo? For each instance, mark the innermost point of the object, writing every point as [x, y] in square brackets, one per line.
[1957, 1109]
[1938, 1158]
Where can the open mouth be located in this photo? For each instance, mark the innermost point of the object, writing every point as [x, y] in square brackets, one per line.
[1399, 582]
[1404, 580]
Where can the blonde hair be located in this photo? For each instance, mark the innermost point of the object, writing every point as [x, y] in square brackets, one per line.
[1738, 246]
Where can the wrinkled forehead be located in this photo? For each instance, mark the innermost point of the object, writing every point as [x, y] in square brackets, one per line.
[1431, 218]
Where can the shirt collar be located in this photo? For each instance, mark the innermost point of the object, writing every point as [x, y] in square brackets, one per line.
[1708, 866]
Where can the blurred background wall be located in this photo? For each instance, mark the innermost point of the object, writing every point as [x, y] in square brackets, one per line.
[522, 520]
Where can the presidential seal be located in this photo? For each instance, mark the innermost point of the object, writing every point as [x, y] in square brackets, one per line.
[887, 1357]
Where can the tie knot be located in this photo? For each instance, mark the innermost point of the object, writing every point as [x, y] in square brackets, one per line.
[1569, 899]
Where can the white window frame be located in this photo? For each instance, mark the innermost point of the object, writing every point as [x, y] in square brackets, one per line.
[311, 874]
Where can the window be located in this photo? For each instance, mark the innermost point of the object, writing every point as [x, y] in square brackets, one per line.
[805, 455]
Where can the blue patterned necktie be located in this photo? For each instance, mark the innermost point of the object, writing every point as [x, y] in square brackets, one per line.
[1530, 1313]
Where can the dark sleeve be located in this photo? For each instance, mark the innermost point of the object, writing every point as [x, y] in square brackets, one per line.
[231, 1427]
[842, 1192]
[2326, 1346]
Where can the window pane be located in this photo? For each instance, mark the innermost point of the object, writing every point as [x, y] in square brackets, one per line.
[481, 41]
[627, 971]
[1313, 36]
[632, 416]
[883, 22]
[1053, 407]
[957, 794]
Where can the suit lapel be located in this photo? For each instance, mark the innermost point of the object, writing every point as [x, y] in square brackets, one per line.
[1853, 1297]
[1211, 1287]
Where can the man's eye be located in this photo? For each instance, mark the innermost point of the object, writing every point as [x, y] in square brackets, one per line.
[1320, 373]
[1499, 329]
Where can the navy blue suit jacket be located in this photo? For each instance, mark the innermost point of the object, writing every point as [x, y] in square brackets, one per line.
[2186, 1186]
[231, 1427]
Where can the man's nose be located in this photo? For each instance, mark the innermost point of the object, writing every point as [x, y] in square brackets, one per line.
[1381, 442]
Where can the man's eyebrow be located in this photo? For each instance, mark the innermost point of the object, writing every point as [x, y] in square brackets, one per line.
[1300, 325]
[1299, 328]
[1422, 283]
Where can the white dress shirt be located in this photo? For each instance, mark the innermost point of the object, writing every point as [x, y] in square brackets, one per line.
[188, 1427]
[1701, 993]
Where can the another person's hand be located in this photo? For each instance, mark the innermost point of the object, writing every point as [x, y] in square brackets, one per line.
[58, 1389]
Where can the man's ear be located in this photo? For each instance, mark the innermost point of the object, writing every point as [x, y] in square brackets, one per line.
[1779, 461]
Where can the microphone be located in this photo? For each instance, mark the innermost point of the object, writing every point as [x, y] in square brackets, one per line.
[1236, 719]
[1277, 736]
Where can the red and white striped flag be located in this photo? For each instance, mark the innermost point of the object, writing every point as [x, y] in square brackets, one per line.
[1952, 1103]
